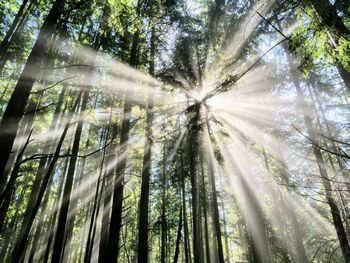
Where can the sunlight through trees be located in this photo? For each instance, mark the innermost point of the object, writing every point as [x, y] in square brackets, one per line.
[174, 131]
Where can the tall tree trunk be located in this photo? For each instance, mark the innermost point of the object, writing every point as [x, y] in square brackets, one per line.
[13, 31]
[95, 205]
[329, 133]
[39, 176]
[54, 211]
[178, 238]
[62, 217]
[107, 195]
[163, 213]
[5, 196]
[16, 106]
[205, 215]
[297, 232]
[187, 248]
[38, 230]
[142, 250]
[216, 216]
[337, 220]
[278, 205]
[193, 141]
[35, 203]
[112, 250]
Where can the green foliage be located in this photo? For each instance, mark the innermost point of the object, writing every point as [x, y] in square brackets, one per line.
[317, 42]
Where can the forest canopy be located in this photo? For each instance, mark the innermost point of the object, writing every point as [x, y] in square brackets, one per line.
[174, 131]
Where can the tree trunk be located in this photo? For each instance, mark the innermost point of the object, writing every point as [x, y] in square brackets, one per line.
[193, 141]
[16, 106]
[163, 216]
[142, 251]
[35, 204]
[11, 32]
[54, 210]
[62, 217]
[216, 216]
[112, 250]
[38, 230]
[95, 206]
[337, 221]
[187, 248]
[205, 215]
[178, 238]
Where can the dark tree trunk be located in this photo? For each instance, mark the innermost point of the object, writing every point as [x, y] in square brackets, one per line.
[106, 212]
[12, 32]
[187, 248]
[205, 215]
[33, 208]
[194, 127]
[112, 249]
[95, 207]
[337, 220]
[5, 196]
[106, 194]
[16, 106]
[62, 217]
[54, 209]
[38, 230]
[216, 216]
[178, 238]
[142, 250]
[163, 213]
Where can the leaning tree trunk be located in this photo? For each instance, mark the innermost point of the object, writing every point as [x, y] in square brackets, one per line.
[337, 220]
[13, 31]
[16, 106]
[32, 210]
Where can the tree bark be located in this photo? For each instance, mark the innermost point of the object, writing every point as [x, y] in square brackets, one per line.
[95, 206]
[216, 216]
[35, 204]
[62, 217]
[187, 249]
[205, 214]
[112, 250]
[178, 238]
[11, 32]
[337, 221]
[142, 251]
[163, 216]
[16, 106]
